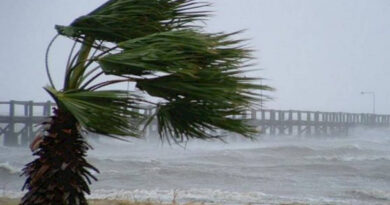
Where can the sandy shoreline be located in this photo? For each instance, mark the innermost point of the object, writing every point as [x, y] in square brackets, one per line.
[13, 201]
[10, 201]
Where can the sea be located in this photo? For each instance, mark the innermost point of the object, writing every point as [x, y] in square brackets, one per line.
[353, 169]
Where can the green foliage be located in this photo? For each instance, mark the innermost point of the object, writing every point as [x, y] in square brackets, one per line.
[197, 104]
[120, 20]
[183, 119]
[207, 84]
[103, 112]
[157, 45]
[184, 51]
[203, 87]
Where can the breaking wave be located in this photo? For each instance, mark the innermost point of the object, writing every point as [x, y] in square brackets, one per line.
[7, 168]
[206, 196]
[384, 159]
[372, 194]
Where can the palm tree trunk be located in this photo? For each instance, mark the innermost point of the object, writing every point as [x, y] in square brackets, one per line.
[60, 175]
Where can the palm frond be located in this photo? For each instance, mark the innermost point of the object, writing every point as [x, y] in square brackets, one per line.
[204, 82]
[182, 51]
[208, 84]
[183, 119]
[103, 112]
[203, 102]
[120, 20]
[200, 76]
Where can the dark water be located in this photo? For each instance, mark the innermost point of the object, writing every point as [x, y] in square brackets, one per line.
[273, 170]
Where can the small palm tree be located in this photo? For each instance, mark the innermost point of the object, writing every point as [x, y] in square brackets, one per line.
[158, 46]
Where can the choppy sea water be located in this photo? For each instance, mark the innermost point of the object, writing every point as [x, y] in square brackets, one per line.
[272, 170]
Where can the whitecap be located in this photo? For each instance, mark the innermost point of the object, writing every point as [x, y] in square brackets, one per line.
[8, 168]
[372, 194]
[205, 196]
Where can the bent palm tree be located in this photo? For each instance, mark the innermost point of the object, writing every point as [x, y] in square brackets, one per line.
[156, 45]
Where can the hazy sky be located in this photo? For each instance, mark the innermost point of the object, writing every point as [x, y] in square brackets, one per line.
[318, 54]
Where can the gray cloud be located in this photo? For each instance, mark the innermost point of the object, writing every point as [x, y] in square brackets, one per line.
[319, 55]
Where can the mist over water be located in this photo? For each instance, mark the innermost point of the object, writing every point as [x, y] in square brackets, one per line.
[272, 170]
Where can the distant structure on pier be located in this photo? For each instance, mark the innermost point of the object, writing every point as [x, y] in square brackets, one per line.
[20, 125]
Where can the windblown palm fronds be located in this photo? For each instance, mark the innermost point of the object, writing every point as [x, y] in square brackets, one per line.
[175, 51]
[120, 20]
[104, 112]
[158, 46]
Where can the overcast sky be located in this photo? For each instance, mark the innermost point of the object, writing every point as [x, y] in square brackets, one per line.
[318, 54]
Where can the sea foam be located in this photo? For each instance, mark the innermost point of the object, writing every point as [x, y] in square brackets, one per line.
[8, 168]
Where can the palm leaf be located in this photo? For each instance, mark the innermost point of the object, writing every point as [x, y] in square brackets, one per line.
[183, 119]
[208, 84]
[200, 103]
[120, 20]
[204, 83]
[102, 112]
[175, 51]
[199, 76]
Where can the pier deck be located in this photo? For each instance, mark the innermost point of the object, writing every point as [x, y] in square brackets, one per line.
[19, 123]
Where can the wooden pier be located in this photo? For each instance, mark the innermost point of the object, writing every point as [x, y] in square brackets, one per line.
[19, 121]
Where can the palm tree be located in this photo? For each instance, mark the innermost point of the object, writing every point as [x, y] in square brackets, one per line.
[158, 46]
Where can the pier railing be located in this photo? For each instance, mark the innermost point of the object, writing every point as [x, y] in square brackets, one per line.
[19, 121]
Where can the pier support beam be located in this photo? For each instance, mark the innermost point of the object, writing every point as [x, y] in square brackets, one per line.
[10, 137]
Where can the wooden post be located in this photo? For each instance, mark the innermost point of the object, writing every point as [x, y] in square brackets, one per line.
[25, 138]
[263, 129]
[30, 126]
[299, 122]
[308, 124]
[244, 115]
[325, 125]
[317, 123]
[352, 119]
[290, 122]
[340, 125]
[272, 122]
[46, 108]
[253, 115]
[374, 119]
[281, 122]
[253, 119]
[10, 138]
[332, 124]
